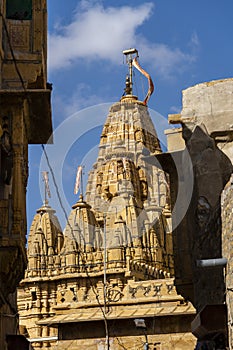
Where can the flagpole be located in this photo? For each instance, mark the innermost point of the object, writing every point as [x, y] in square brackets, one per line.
[81, 181]
[105, 282]
[45, 193]
[46, 187]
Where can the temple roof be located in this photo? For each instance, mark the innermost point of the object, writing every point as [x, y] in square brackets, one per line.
[45, 237]
[121, 222]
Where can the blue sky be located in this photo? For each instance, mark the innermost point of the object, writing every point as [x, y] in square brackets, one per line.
[181, 43]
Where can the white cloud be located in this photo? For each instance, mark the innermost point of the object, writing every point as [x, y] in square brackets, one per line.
[175, 109]
[98, 32]
[194, 42]
[164, 59]
[82, 97]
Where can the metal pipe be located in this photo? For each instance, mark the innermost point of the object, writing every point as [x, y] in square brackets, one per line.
[220, 262]
[105, 264]
[146, 344]
[41, 339]
[105, 285]
[131, 75]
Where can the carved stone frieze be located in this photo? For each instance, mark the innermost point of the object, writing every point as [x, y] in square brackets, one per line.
[20, 35]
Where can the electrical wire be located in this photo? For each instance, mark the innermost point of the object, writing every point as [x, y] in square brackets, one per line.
[142, 83]
[56, 188]
[120, 343]
[16, 68]
[72, 233]
[12, 51]
[54, 180]
[135, 83]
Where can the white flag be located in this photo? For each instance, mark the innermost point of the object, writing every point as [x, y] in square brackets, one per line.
[78, 179]
[124, 161]
[45, 176]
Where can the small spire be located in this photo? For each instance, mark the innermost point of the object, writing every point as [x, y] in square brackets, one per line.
[81, 203]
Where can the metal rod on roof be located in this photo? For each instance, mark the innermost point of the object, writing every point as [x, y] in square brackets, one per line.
[42, 339]
[105, 264]
[129, 60]
[105, 281]
[218, 262]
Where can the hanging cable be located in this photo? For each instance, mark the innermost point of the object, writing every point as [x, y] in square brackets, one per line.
[103, 311]
[54, 181]
[135, 82]
[12, 51]
[136, 64]
[16, 67]
[142, 85]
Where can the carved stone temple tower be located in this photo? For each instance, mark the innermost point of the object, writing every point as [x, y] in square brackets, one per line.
[110, 284]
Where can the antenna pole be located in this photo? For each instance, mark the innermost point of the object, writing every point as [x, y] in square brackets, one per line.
[105, 263]
[46, 187]
[131, 74]
[81, 181]
[45, 193]
[129, 60]
[105, 281]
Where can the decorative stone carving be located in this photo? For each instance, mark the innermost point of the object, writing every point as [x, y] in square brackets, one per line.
[99, 182]
[5, 153]
[114, 294]
[106, 195]
[203, 213]
[19, 35]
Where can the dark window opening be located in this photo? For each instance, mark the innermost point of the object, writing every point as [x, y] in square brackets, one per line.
[34, 297]
[19, 9]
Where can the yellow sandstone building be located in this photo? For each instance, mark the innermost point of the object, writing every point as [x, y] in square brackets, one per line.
[145, 260]
[25, 118]
[108, 283]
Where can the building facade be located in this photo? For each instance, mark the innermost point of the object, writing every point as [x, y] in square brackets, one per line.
[203, 237]
[25, 118]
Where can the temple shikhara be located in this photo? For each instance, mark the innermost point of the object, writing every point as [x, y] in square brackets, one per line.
[114, 263]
